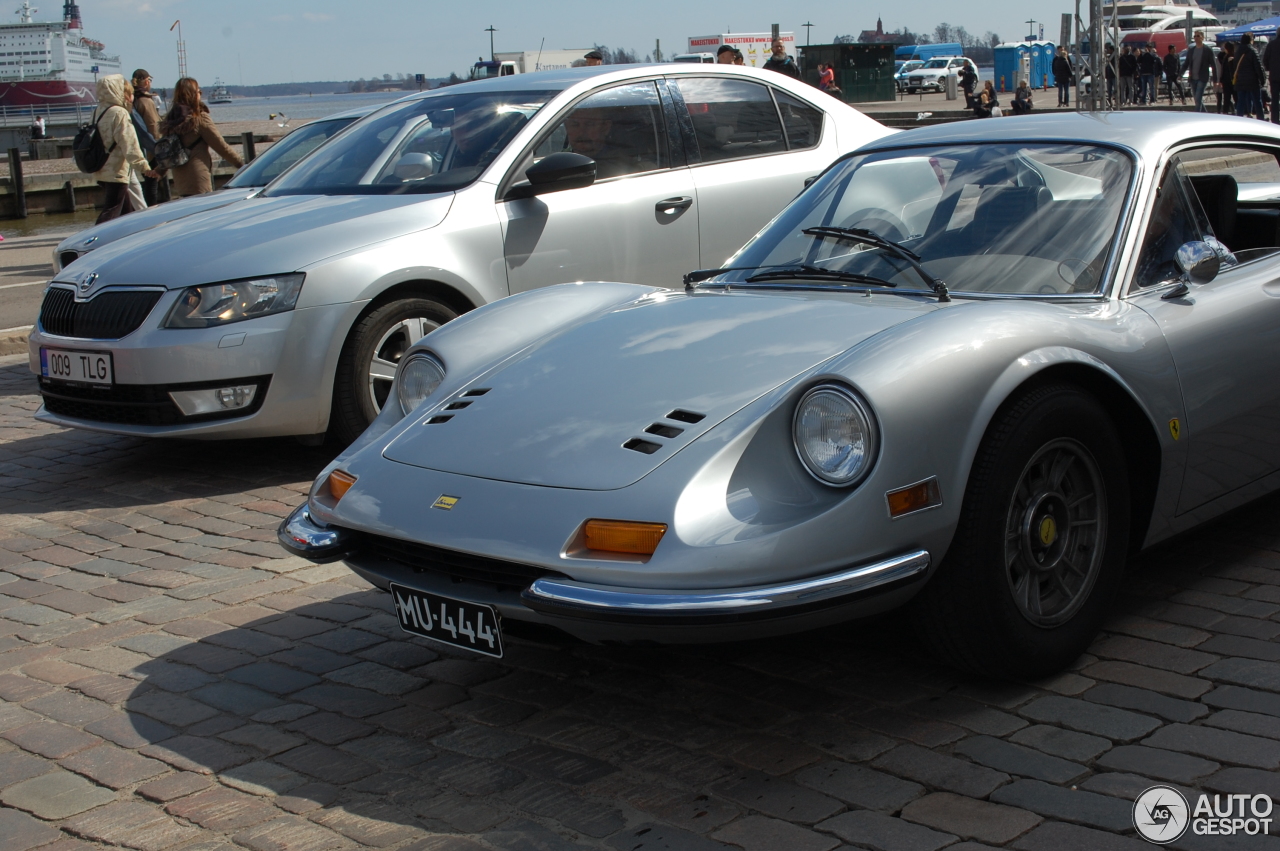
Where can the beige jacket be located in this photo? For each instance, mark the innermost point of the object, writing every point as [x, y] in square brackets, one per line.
[202, 139]
[115, 126]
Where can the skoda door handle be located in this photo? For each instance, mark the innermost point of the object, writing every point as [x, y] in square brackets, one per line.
[671, 205]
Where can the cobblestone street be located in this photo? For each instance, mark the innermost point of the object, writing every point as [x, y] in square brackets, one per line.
[170, 679]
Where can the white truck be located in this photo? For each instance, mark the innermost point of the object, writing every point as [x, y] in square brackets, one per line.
[527, 61]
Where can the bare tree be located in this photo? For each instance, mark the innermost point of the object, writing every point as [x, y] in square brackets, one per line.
[943, 33]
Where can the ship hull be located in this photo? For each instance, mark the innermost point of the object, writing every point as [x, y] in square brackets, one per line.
[45, 93]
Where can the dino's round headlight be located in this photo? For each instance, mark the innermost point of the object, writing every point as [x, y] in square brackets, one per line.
[834, 434]
[419, 377]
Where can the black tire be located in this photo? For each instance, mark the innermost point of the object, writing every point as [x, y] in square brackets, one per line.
[384, 331]
[1014, 598]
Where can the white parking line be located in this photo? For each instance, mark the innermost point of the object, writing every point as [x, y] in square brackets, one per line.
[23, 284]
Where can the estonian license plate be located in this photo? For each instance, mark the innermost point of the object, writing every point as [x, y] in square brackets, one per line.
[471, 626]
[80, 367]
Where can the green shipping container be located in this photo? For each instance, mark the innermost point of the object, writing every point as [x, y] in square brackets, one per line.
[864, 72]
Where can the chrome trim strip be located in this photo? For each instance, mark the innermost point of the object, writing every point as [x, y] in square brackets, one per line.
[599, 598]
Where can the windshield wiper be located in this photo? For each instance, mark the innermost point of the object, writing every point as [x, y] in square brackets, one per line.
[805, 271]
[870, 237]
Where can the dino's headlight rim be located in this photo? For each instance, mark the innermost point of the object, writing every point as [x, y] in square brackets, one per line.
[842, 469]
[420, 374]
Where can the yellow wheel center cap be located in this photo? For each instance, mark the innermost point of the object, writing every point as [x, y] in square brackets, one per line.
[1048, 530]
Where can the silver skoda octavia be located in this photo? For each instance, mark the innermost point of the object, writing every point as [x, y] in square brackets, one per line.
[972, 368]
[286, 313]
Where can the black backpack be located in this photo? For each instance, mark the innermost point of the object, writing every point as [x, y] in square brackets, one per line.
[90, 154]
[170, 153]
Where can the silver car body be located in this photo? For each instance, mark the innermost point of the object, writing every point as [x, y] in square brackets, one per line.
[469, 246]
[237, 189]
[574, 372]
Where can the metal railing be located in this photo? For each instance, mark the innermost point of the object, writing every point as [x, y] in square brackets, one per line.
[25, 116]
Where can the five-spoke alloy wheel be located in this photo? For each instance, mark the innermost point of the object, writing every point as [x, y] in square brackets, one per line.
[367, 366]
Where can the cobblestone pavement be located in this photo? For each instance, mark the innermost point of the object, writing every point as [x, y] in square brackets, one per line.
[170, 680]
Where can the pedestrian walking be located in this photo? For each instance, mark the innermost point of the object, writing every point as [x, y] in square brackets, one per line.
[1128, 69]
[1201, 70]
[724, 56]
[146, 122]
[1148, 71]
[115, 127]
[592, 57]
[1226, 79]
[190, 121]
[1248, 79]
[1022, 98]
[38, 129]
[826, 76]
[738, 58]
[781, 62]
[1109, 73]
[1062, 76]
[1173, 75]
[1271, 61]
[968, 82]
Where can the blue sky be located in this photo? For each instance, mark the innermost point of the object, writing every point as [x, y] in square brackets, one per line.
[273, 41]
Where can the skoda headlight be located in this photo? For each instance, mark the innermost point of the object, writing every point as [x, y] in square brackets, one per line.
[835, 435]
[218, 304]
[419, 376]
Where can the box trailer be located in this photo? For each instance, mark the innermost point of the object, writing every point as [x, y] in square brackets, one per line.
[528, 61]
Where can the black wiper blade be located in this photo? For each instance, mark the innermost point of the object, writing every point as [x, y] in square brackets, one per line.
[870, 237]
[699, 275]
[806, 271]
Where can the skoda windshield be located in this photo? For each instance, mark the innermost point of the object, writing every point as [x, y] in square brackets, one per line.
[432, 144]
[1005, 219]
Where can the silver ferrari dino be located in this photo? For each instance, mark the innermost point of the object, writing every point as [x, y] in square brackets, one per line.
[970, 370]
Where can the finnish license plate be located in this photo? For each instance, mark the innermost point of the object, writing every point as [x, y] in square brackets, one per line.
[459, 623]
[80, 367]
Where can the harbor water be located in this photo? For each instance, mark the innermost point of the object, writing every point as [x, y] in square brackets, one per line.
[297, 108]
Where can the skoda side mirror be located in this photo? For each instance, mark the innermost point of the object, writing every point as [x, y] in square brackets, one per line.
[555, 173]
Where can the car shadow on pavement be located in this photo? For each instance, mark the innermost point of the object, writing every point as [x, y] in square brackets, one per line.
[312, 704]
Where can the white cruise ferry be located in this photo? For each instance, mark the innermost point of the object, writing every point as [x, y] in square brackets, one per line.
[50, 63]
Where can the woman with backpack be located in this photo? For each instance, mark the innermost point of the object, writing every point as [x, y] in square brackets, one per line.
[114, 125]
[189, 121]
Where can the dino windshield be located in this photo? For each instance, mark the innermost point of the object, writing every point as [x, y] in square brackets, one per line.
[1013, 219]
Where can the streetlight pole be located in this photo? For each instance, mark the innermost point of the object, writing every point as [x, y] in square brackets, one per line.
[1031, 28]
[808, 31]
[491, 31]
[182, 50]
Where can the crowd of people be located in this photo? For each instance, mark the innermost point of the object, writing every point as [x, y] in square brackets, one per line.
[132, 131]
[1236, 77]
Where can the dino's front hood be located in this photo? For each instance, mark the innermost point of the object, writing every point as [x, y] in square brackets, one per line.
[561, 413]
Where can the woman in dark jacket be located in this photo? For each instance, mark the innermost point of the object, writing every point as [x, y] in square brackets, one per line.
[189, 119]
[1249, 78]
[1227, 59]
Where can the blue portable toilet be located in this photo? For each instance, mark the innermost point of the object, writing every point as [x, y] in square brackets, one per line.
[1009, 56]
